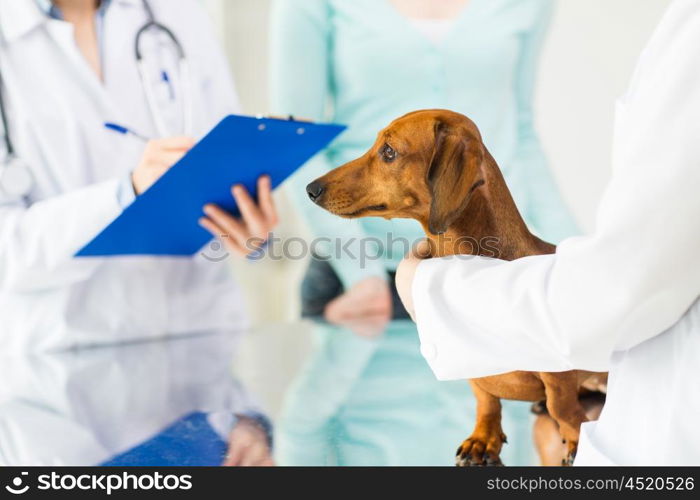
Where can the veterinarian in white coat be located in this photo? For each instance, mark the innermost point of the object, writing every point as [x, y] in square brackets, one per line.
[59, 91]
[621, 299]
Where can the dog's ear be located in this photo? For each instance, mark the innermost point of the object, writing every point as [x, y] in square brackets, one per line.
[453, 174]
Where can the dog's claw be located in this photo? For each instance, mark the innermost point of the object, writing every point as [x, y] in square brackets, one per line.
[475, 452]
[568, 460]
[493, 462]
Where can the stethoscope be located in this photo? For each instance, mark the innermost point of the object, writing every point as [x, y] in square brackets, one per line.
[16, 178]
[147, 84]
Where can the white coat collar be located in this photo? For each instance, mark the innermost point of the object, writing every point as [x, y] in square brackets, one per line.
[18, 17]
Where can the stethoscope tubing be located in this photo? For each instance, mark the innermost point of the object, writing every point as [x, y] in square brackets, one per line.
[9, 146]
[183, 68]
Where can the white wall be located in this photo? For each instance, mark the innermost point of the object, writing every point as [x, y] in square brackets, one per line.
[242, 25]
[588, 59]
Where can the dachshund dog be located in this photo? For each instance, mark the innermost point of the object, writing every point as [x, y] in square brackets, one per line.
[432, 166]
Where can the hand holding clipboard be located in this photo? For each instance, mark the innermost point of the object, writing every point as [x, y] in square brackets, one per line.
[164, 220]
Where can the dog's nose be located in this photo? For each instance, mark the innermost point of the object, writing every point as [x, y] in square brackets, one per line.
[315, 190]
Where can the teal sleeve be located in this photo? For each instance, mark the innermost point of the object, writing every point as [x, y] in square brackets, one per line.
[300, 85]
[545, 212]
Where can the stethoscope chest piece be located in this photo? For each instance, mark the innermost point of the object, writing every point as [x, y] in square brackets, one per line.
[15, 178]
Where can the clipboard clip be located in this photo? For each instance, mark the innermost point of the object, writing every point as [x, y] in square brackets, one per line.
[290, 118]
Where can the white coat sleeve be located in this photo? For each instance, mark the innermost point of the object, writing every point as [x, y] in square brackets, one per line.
[631, 279]
[38, 241]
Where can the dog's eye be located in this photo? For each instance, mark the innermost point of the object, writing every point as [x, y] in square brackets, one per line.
[388, 153]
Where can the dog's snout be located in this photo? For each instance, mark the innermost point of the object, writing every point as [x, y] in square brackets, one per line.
[315, 190]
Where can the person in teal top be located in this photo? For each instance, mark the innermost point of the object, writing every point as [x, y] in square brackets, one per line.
[365, 62]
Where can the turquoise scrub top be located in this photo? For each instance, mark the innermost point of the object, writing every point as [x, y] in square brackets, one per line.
[362, 63]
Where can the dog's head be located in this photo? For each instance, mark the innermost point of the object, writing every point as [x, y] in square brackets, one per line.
[424, 166]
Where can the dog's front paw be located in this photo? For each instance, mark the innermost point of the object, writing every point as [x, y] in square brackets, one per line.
[479, 452]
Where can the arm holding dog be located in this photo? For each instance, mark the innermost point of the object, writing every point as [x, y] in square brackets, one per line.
[627, 282]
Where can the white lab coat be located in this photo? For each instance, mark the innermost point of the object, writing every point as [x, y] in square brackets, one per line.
[603, 300]
[57, 109]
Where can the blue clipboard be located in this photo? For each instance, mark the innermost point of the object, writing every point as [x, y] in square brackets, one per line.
[188, 442]
[164, 219]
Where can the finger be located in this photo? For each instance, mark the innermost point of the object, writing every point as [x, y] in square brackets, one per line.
[343, 310]
[231, 226]
[265, 200]
[364, 304]
[336, 311]
[234, 455]
[251, 214]
[221, 235]
[255, 453]
[368, 310]
[371, 300]
[156, 172]
[212, 227]
[352, 305]
[167, 158]
[176, 142]
[368, 327]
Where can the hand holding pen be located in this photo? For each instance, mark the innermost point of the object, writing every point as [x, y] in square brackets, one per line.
[158, 156]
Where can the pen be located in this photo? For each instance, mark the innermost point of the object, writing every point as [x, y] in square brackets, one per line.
[166, 79]
[120, 129]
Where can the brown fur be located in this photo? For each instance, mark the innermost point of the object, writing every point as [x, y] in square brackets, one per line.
[444, 177]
